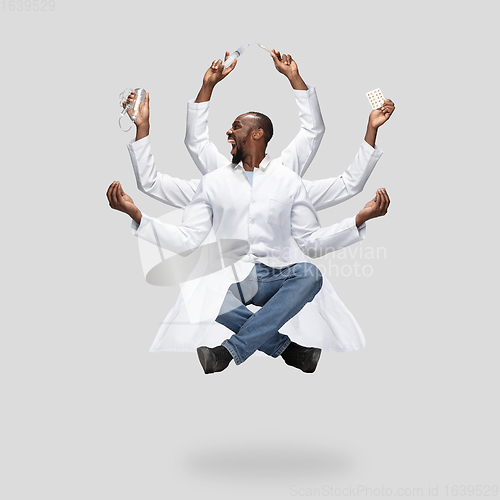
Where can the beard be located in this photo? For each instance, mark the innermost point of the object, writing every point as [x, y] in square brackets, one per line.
[238, 156]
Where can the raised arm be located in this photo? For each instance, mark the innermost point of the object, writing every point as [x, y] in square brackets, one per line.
[203, 152]
[326, 193]
[299, 154]
[170, 190]
[182, 239]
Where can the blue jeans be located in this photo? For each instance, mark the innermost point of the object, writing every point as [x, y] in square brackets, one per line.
[281, 293]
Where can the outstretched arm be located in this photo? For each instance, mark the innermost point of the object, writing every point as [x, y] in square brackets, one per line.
[299, 154]
[315, 240]
[182, 239]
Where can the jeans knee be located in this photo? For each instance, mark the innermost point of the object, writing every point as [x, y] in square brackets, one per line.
[312, 276]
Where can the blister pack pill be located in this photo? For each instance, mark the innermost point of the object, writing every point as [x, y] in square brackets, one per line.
[376, 98]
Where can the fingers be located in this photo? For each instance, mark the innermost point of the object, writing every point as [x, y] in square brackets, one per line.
[226, 71]
[108, 193]
[384, 201]
[114, 194]
[285, 58]
[111, 194]
[388, 107]
[216, 64]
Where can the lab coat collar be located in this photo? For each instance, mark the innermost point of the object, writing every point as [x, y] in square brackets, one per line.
[263, 164]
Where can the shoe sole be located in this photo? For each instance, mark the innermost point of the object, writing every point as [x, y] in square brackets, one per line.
[204, 355]
[310, 365]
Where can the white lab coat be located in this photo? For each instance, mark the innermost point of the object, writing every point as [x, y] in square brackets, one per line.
[325, 322]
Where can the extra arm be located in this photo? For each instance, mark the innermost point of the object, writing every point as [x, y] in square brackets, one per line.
[185, 238]
[316, 241]
[299, 154]
[326, 193]
[203, 152]
[170, 190]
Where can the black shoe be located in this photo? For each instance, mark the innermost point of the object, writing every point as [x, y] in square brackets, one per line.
[303, 358]
[214, 359]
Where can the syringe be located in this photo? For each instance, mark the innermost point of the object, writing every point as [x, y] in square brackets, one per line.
[237, 53]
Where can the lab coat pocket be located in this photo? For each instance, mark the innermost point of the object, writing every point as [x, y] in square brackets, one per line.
[279, 211]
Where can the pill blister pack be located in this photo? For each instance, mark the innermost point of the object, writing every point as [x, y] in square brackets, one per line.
[376, 98]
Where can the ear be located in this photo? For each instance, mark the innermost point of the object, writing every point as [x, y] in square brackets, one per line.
[258, 134]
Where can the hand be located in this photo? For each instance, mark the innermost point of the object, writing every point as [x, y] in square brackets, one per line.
[284, 63]
[217, 72]
[288, 67]
[143, 115]
[374, 208]
[381, 115]
[118, 200]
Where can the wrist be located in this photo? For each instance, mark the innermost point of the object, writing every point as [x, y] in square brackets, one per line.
[208, 86]
[296, 81]
[142, 131]
[136, 215]
[143, 125]
[360, 220]
[371, 135]
[205, 92]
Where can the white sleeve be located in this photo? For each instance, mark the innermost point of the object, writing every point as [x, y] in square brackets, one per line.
[202, 151]
[315, 240]
[185, 238]
[326, 193]
[170, 190]
[299, 154]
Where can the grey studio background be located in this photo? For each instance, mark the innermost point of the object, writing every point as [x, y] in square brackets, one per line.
[89, 413]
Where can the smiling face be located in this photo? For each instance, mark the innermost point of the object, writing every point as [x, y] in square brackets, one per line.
[239, 134]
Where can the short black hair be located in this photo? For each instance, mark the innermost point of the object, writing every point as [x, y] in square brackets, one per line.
[265, 123]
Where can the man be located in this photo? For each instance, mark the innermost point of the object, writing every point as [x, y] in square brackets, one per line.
[279, 210]
[325, 322]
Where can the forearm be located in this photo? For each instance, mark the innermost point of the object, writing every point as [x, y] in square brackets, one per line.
[181, 240]
[371, 135]
[165, 188]
[298, 155]
[323, 240]
[360, 220]
[315, 240]
[325, 193]
[205, 93]
[142, 131]
[296, 81]
[136, 216]
[184, 238]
